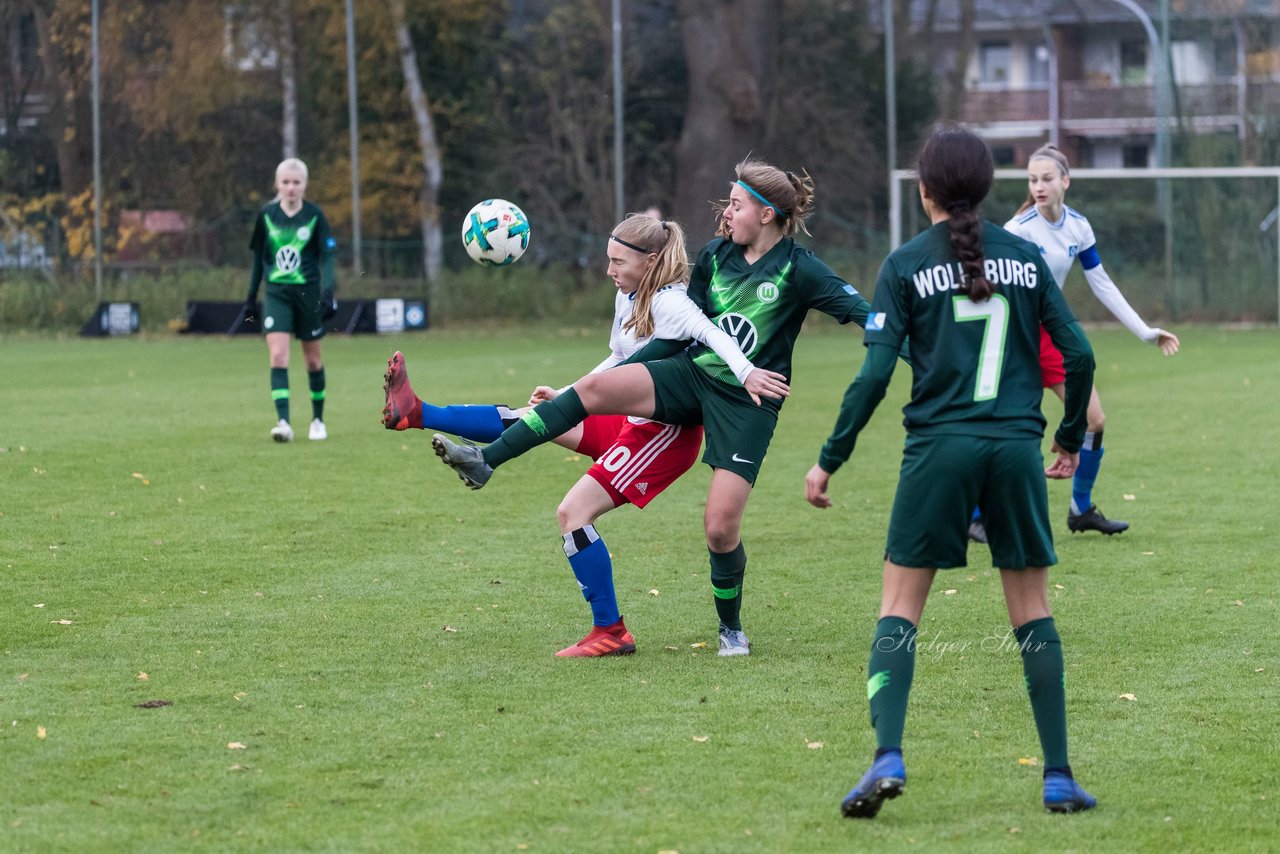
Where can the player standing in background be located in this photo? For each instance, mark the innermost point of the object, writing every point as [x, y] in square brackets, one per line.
[1064, 235]
[292, 246]
[635, 458]
[757, 284]
[973, 299]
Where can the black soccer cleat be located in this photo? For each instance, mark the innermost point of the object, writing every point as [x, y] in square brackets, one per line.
[1093, 520]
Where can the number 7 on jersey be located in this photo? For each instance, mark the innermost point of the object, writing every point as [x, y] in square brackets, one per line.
[994, 312]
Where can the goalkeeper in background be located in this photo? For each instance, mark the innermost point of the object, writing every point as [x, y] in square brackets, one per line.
[293, 248]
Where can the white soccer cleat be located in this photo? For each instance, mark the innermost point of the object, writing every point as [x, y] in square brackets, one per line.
[282, 432]
[733, 642]
[317, 433]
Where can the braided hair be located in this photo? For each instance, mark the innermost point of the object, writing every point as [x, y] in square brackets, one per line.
[956, 169]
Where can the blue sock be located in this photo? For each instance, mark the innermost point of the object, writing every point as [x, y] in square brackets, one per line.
[591, 565]
[1086, 472]
[977, 515]
[479, 423]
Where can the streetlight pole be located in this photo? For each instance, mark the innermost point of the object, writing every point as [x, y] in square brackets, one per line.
[97, 163]
[353, 122]
[891, 123]
[619, 206]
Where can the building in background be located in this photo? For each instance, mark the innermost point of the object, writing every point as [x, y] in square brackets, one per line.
[1084, 72]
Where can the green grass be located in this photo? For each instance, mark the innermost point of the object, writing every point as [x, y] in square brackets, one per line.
[381, 639]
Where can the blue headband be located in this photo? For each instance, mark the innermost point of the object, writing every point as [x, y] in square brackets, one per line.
[768, 204]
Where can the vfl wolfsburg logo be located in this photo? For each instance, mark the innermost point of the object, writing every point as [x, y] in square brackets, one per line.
[304, 234]
[287, 259]
[742, 330]
[768, 292]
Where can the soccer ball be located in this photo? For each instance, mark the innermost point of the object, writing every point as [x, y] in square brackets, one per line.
[495, 233]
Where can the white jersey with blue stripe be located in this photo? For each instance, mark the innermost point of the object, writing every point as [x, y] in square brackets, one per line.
[1061, 243]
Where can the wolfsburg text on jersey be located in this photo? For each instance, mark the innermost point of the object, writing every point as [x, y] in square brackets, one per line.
[950, 276]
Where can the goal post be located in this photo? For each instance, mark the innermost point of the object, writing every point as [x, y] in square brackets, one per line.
[1182, 243]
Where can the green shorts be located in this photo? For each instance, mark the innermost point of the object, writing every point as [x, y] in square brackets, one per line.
[295, 309]
[944, 477]
[737, 431]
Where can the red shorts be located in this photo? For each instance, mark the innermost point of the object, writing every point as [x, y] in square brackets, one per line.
[1051, 370]
[635, 462]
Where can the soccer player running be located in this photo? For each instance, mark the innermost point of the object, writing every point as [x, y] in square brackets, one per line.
[757, 284]
[293, 248]
[636, 459]
[1064, 235]
[972, 298]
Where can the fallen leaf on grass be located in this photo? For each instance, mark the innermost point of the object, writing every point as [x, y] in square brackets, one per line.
[61, 622]
[701, 739]
[237, 745]
[1128, 496]
[41, 732]
[22, 677]
[653, 591]
[38, 605]
[142, 477]
[814, 745]
[950, 592]
[239, 695]
[673, 648]
[1130, 697]
[1238, 603]
[238, 767]
[449, 629]
[153, 704]
[142, 677]
[1028, 760]
[1059, 587]
[698, 645]
[1259, 669]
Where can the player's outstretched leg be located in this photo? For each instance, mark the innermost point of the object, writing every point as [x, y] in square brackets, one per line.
[402, 409]
[883, 781]
[1063, 794]
[466, 460]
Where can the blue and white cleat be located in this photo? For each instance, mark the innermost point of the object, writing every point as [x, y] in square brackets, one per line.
[1064, 794]
[884, 781]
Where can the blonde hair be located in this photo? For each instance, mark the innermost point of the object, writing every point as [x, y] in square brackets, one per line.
[790, 195]
[292, 163]
[1044, 152]
[664, 238]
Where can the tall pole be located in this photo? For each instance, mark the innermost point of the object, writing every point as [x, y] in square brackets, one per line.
[97, 163]
[353, 122]
[619, 206]
[891, 119]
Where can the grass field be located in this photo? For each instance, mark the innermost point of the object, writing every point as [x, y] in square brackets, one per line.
[380, 640]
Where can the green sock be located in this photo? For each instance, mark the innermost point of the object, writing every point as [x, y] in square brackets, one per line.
[727, 569]
[893, 663]
[280, 392]
[1046, 685]
[316, 380]
[537, 426]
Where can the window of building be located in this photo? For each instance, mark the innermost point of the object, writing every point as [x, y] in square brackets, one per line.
[1133, 63]
[1038, 65]
[1137, 156]
[1224, 58]
[994, 59]
[1002, 155]
[245, 44]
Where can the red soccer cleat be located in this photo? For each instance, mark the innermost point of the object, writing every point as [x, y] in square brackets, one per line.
[403, 409]
[602, 640]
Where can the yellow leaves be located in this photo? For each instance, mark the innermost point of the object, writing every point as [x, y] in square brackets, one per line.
[814, 745]
[1028, 760]
[142, 477]
[142, 677]
[698, 645]
[1130, 697]
[449, 629]
[41, 732]
[1129, 496]
[237, 745]
[653, 591]
[950, 591]
[61, 622]
[702, 739]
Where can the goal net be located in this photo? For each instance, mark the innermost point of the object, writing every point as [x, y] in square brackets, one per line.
[1182, 244]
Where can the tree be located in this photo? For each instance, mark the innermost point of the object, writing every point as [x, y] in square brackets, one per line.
[731, 53]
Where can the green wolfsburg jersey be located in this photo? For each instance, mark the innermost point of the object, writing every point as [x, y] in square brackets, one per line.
[976, 366]
[291, 247]
[763, 305]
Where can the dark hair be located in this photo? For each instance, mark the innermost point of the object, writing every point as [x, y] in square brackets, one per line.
[956, 169]
[789, 194]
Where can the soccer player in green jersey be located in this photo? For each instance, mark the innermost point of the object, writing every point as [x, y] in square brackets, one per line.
[293, 249]
[972, 297]
[757, 284]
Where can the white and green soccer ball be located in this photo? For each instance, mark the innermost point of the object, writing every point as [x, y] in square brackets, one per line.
[495, 233]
